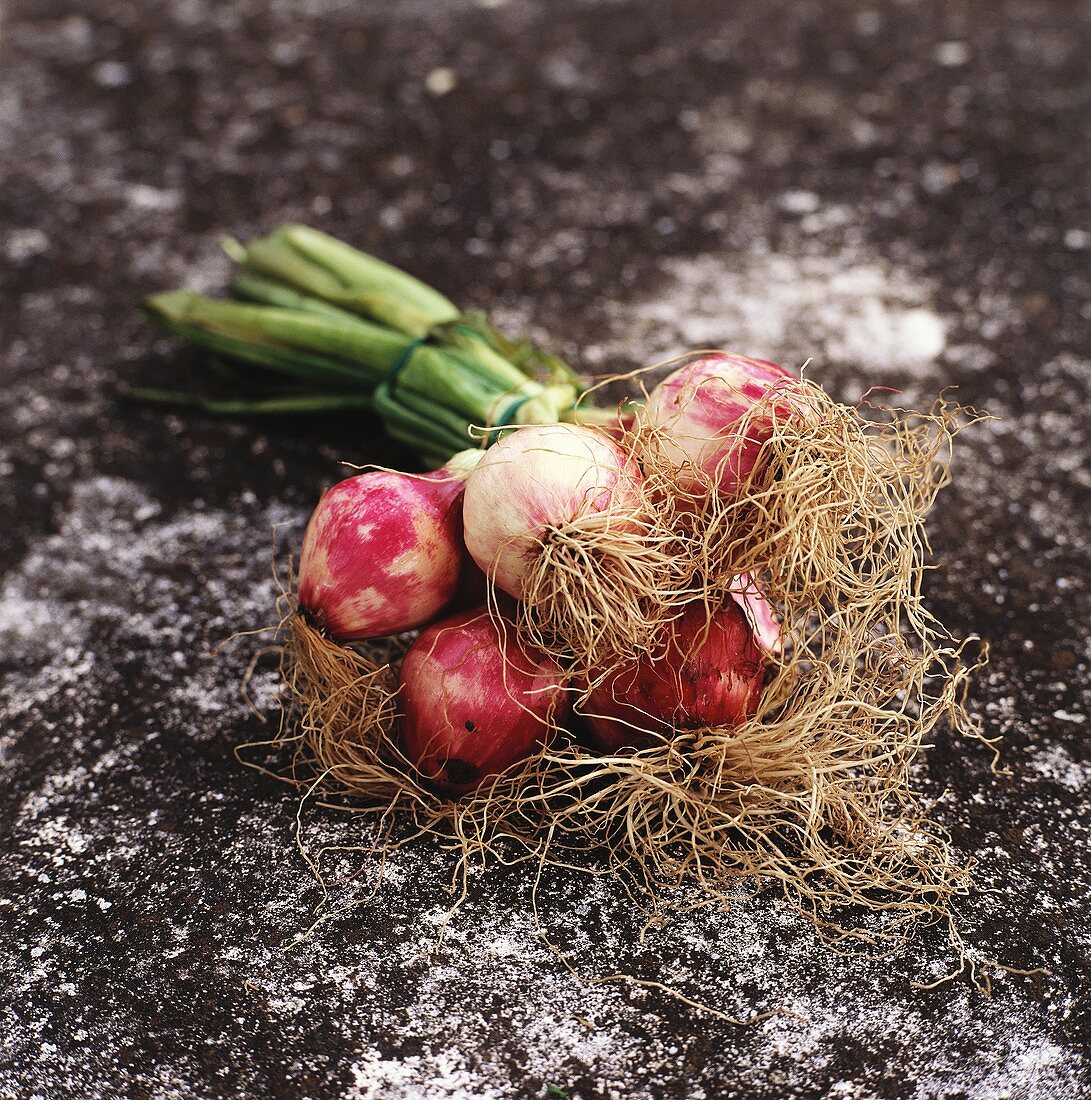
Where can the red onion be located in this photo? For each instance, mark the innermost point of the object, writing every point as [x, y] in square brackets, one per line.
[710, 675]
[383, 551]
[474, 701]
[539, 479]
[700, 406]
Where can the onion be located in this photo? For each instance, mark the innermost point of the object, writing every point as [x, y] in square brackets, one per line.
[701, 405]
[541, 479]
[560, 517]
[709, 674]
[473, 701]
[383, 551]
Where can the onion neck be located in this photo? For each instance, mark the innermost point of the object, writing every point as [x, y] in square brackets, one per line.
[462, 464]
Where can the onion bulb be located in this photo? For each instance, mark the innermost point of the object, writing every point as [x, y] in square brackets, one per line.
[703, 408]
[541, 479]
[383, 551]
[559, 517]
[474, 701]
[710, 673]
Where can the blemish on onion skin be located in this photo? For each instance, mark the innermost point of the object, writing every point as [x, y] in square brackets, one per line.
[461, 773]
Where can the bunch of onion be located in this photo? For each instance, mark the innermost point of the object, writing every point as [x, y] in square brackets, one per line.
[770, 544]
[727, 585]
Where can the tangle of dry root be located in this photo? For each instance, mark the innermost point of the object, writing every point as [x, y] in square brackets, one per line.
[600, 592]
[344, 699]
[812, 794]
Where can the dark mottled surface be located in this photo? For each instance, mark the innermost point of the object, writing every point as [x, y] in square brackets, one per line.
[899, 190]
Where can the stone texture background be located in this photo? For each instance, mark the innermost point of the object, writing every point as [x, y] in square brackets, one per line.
[898, 191]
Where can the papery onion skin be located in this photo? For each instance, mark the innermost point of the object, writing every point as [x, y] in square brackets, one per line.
[473, 701]
[537, 478]
[747, 593]
[711, 678]
[700, 406]
[382, 553]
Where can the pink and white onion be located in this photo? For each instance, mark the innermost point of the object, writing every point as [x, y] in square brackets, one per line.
[542, 478]
[383, 551]
[700, 406]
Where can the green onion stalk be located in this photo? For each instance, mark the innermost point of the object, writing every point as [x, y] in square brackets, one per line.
[318, 326]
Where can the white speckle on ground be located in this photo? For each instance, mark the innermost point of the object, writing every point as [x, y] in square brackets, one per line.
[834, 310]
[1056, 764]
